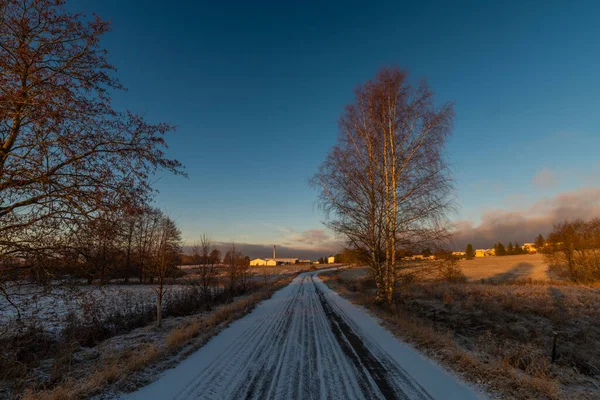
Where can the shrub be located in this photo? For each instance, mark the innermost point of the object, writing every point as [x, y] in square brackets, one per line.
[451, 271]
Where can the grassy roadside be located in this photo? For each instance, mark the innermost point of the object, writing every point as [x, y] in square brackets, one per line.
[473, 334]
[125, 368]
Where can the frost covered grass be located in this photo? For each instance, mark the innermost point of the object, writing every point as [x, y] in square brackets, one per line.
[498, 334]
[50, 307]
[58, 324]
[38, 348]
[131, 362]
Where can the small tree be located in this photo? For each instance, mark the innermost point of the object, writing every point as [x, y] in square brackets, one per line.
[215, 256]
[469, 252]
[203, 253]
[163, 258]
[540, 243]
[500, 250]
[237, 270]
[450, 270]
[517, 249]
[510, 249]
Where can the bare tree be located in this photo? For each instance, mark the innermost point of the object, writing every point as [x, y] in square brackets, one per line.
[98, 247]
[573, 248]
[237, 269]
[65, 153]
[164, 258]
[207, 265]
[146, 230]
[215, 256]
[386, 184]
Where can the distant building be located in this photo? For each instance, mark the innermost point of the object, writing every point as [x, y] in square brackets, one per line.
[281, 261]
[480, 252]
[529, 247]
[459, 253]
[485, 252]
[274, 260]
[330, 260]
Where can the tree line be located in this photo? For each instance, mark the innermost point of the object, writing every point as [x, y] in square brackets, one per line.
[572, 249]
[516, 249]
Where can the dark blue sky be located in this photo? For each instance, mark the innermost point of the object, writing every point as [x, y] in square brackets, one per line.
[256, 89]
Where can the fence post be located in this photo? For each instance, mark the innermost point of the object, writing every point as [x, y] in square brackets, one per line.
[554, 346]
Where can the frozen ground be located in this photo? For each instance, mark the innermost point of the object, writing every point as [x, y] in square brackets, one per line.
[306, 342]
[49, 307]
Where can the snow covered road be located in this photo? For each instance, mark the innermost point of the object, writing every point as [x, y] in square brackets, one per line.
[306, 342]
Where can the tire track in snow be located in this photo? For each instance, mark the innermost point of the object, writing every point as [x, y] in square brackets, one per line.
[356, 350]
[218, 374]
[394, 372]
[303, 343]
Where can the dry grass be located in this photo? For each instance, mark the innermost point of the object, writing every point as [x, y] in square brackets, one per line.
[182, 335]
[507, 268]
[182, 340]
[499, 335]
[526, 266]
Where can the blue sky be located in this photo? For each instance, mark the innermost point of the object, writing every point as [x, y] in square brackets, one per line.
[256, 89]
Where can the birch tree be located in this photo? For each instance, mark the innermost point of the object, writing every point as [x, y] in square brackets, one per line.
[386, 183]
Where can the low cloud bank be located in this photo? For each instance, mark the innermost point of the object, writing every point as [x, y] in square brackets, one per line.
[266, 251]
[524, 225]
[310, 244]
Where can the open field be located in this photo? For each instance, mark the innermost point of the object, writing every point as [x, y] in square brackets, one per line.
[527, 266]
[48, 308]
[498, 269]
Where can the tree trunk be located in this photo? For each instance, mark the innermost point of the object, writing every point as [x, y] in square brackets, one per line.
[159, 309]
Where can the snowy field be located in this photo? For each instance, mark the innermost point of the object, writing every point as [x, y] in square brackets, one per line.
[49, 307]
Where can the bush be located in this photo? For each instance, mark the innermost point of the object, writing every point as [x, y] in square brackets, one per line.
[451, 272]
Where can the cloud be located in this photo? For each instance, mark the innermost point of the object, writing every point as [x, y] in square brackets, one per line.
[310, 244]
[311, 237]
[524, 225]
[545, 179]
[264, 250]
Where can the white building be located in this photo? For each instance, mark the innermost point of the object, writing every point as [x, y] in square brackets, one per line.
[274, 260]
[281, 261]
[330, 260]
